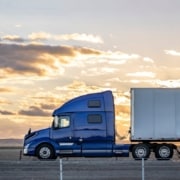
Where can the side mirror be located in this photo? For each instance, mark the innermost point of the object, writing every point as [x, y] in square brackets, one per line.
[29, 132]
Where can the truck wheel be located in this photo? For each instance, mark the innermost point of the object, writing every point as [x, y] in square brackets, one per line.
[45, 151]
[140, 151]
[164, 152]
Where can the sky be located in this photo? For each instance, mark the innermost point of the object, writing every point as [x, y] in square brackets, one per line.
[52, 51]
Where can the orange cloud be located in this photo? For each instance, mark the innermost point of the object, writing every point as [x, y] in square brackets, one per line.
[4, 112]
[125, 109]
[34, 111]
[142, 74]
[39, 60]
[13, 38]
[5, 101]
[66, 37]
[36, 79]
[44, 36]
[5, 90]
[39, 36]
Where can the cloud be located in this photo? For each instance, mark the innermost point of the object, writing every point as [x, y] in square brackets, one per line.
[125, 109]
[45, 102]
[168, 83]
[39, 60]
[44, 36]
[50, 61]
[142, 74]
[13, 38]
[172, 52]
[48, 106]
[80, 37]
[66, 37]
[98, 71]
[87, 51]
[117, 57]
[5, 90]
[40, 78]
[18, 25]
[6, 113]
[34, 111]
[39, 36]
[74, 89]
[148, 59]
[77, 88]
[5, 101]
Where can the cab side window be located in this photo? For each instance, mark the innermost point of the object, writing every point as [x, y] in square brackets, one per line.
[64, 121]
[94, 119]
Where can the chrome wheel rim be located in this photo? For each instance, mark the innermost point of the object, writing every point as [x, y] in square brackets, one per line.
[164, 152]
[45, 152]
[141, 152]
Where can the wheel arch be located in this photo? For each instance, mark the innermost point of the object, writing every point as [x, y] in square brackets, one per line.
[155, 145]
[54, 154]
[144, 142]
[44, 143]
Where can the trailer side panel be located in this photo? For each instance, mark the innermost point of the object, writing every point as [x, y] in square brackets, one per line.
[155, 114]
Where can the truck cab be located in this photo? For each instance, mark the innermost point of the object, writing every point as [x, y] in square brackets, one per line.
[82, 127]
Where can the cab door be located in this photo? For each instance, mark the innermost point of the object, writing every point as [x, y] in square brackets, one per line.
[62, 133]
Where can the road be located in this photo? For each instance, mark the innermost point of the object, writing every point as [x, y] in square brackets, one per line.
[11, 168]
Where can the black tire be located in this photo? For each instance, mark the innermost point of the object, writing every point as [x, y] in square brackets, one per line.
[164, 152]
[140, 151]
[45, 151]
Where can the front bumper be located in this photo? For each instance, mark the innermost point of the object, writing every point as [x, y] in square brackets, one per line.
[28, 151]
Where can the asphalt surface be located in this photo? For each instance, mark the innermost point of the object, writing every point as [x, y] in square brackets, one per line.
[11, 168]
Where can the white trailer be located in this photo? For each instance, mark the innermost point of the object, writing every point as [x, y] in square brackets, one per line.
[155, 121]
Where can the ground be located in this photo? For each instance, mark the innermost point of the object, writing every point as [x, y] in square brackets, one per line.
[12, 168]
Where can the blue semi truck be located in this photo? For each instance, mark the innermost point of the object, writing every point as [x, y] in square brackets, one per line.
[85, 127]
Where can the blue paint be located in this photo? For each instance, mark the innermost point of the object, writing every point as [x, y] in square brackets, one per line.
[84, 126]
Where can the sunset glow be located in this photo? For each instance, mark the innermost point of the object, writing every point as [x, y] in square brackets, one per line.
[55, 50]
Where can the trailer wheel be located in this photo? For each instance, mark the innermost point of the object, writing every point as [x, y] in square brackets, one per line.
[45, 151]
[140, 151]
[164, 152]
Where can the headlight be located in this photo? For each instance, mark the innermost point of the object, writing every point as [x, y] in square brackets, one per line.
[25, 151]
